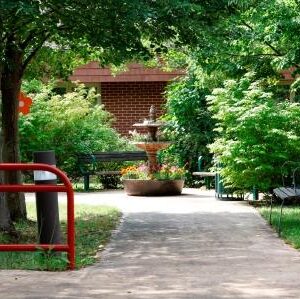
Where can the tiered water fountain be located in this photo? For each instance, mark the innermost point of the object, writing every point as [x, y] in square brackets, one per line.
[152, 187]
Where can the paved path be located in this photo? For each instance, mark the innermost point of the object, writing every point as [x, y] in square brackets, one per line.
[186, 247]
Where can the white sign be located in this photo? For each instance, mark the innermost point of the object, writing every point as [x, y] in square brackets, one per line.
[41, 175]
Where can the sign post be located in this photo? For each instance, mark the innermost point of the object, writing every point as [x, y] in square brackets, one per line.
[47, 202]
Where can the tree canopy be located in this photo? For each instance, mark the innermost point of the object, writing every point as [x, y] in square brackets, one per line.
[111, 31]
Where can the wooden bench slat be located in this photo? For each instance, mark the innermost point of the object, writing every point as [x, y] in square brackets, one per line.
[112, 156]
[109, 172]
[286, 192]
[204, 173]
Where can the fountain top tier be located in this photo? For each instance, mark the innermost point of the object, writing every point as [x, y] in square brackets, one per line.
[153, 146]
[151, 124]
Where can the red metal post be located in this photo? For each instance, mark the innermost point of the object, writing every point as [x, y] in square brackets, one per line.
[70, 228]
[67, 187]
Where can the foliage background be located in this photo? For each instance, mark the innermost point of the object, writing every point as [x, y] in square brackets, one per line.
[68, 124]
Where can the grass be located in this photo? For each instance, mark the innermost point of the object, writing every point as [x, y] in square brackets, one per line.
[290, 223]
[93, 225]
[96, 184]
[79, 187]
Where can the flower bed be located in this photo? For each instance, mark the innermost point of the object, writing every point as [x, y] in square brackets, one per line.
[163, 172]
[166, 180]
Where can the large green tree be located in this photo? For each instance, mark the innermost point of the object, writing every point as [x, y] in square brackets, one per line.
[257, 36]
[108, 30]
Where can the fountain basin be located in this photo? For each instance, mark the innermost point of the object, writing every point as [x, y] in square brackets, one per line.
[152, 146]
[153, 187]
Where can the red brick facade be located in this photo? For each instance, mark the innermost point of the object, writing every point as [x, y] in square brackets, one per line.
[129, 95]
[130, 102]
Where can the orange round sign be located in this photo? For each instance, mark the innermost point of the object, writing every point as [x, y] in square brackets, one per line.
[24, 103]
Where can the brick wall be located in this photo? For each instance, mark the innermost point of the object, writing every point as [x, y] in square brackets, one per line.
[130, 102]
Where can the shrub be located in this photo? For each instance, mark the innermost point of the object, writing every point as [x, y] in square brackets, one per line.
[190, 125]
[256, 134]
[69, 124]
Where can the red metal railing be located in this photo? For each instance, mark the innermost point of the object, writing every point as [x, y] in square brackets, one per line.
[67, 187]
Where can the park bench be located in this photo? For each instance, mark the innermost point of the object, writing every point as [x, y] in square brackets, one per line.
[207, 175]
[88, 163]
[289, 191]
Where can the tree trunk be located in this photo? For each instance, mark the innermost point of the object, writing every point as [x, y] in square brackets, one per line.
[10, 89]
[5, 221]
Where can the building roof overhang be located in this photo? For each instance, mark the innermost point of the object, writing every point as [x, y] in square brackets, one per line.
[93, 73]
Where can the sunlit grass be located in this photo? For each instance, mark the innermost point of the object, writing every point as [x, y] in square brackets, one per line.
[290, 223]
[93, 225]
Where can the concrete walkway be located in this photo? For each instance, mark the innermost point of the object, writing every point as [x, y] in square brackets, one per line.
[188, 247]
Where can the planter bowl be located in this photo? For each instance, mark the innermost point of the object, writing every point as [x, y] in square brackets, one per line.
[153, 187]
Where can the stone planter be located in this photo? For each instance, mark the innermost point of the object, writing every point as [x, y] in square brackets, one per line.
[153, 187]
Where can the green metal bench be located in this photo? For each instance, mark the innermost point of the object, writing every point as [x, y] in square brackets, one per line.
[220, 191]
[207, 175]
[289, 191]
[88, 163]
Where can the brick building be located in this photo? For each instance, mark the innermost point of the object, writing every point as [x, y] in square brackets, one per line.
[128, 95]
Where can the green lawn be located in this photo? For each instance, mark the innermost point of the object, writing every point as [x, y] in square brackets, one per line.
[93, 226]
[290, 224]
